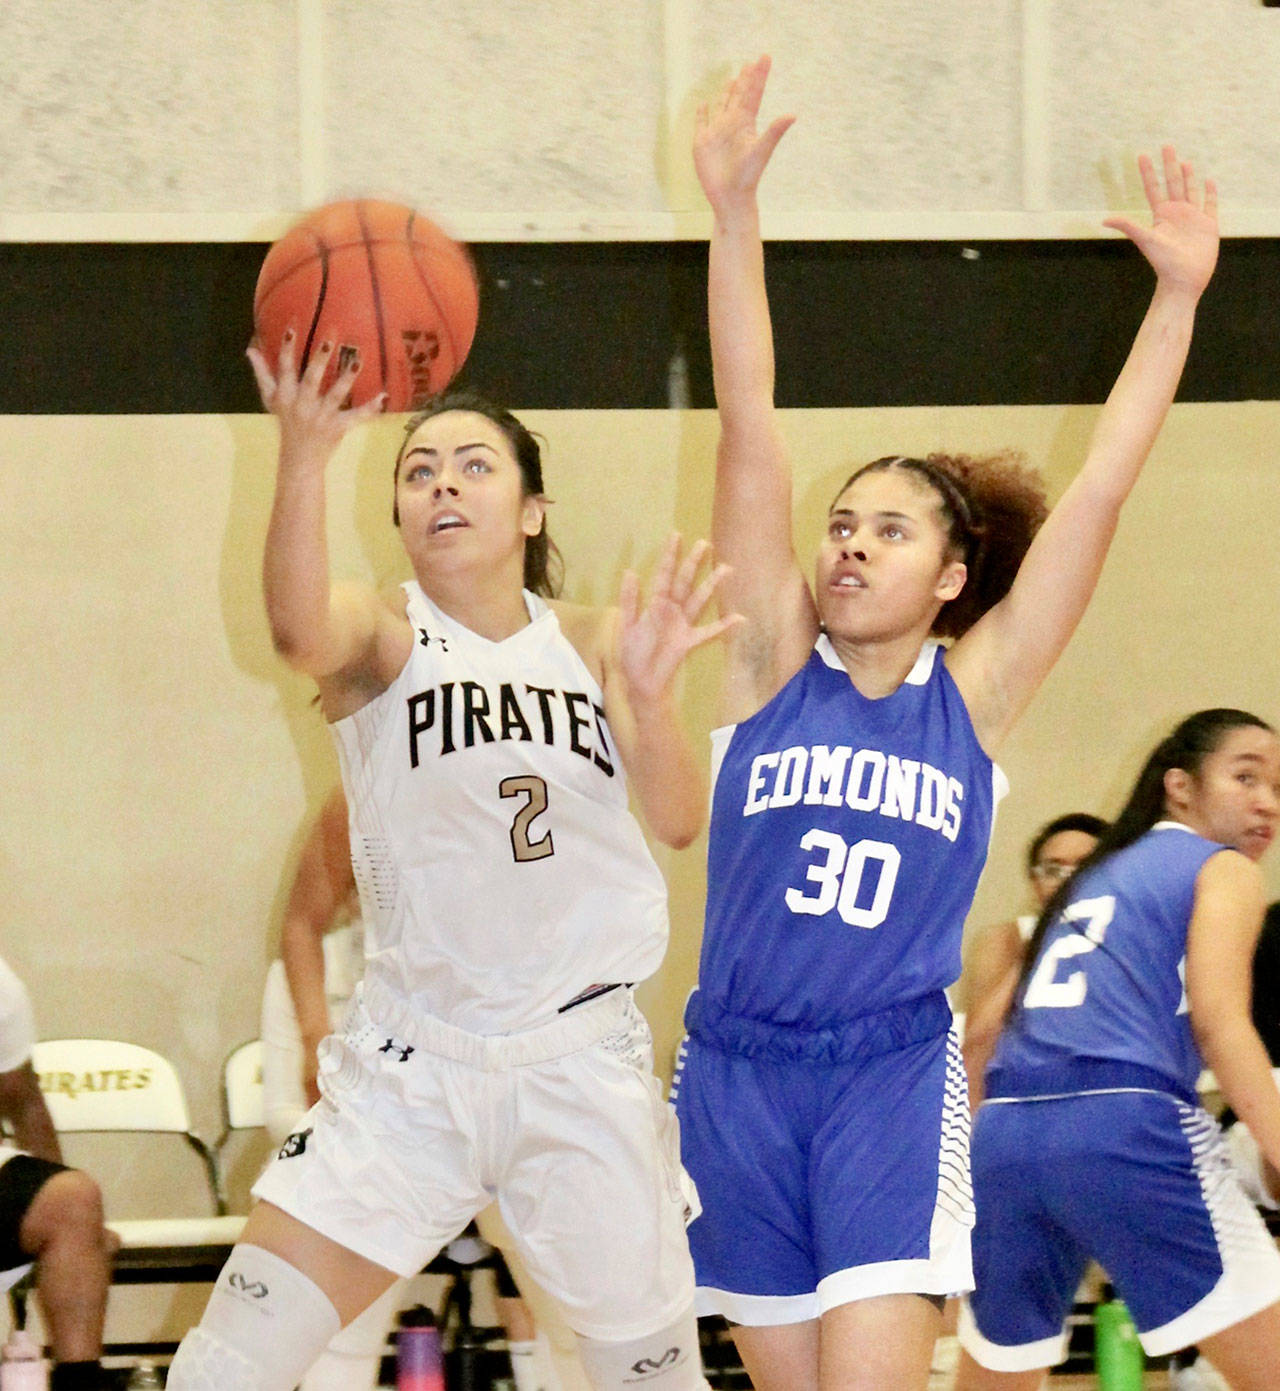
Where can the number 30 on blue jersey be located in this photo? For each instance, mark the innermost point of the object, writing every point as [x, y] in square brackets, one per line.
[839, 878]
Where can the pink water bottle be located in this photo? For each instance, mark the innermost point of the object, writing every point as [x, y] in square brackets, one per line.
[23, 1369]
[419, 1360]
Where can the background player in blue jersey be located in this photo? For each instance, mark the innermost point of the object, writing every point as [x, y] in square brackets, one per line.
[822, 1098]
[1091, 1142]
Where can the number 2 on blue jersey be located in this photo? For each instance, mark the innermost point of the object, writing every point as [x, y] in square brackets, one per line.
[1044, 991]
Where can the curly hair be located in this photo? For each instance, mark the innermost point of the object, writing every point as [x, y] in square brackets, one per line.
[992, 506]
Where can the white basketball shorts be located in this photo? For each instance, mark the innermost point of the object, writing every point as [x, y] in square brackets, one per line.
[420, 1125]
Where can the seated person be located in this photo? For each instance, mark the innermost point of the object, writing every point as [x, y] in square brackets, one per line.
[307, 990]
[49, 1214]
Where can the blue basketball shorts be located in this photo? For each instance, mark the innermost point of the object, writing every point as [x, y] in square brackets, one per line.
[825, 1182]
[1137, 1180]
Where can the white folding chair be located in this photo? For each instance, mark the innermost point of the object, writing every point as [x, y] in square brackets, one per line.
[242, 1103]
[95, 1085]
[243, 1107]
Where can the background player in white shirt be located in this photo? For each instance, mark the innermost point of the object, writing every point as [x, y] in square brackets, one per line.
[49, 1213]
[508, 898]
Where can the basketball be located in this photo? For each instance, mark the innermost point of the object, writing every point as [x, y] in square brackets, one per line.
[374, 278]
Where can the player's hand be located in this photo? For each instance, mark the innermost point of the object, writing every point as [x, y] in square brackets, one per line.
[1182, 242]
[656, 635]
[312, 421]
[728, 153]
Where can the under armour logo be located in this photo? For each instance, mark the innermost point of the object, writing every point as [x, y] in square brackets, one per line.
[426, 640]
[295, 1144]
[255, 1289]
[646, 1365]
[391, 1046]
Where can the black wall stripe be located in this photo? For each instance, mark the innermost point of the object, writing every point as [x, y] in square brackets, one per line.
[141, 329]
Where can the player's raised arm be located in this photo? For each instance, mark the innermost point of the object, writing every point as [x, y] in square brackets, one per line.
[315, 629]
[651, 640]
[751, 525]
[1002, 660]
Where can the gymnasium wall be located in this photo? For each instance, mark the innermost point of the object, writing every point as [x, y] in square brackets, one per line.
[937, 282]
[566, 119]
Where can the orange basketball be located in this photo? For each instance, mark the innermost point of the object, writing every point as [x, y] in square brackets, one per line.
[376, 278]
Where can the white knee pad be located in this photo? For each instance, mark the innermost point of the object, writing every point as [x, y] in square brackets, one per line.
[206, 1363]
[665, 1361]
[264, 1325]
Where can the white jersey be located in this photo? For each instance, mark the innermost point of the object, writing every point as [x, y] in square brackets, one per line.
[501, 874]
[17, 1022]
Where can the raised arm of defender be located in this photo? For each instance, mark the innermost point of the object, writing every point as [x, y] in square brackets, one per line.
[1002, 660]
[751, 526]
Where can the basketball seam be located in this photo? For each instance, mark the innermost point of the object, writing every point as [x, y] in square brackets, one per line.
[262, 292]
[376, 293]
[441, 317]
[322, 254]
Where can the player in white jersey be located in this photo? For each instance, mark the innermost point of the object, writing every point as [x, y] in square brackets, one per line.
[494, 1050]
[994, 961]
[821, 987]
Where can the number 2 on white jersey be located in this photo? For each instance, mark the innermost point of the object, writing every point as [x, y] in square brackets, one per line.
[534, 790]
[1043, 991]
[839, 878]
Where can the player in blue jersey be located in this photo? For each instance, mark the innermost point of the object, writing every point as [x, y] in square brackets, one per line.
[1091, 1142]
[822, 1097]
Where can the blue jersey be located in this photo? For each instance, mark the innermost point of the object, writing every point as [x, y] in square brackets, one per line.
[846, 840]
[1106, 1003]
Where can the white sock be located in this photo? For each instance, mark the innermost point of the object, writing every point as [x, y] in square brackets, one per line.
[533, 1364]
[524, 1366]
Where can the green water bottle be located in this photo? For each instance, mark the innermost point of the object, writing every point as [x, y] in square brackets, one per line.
[1117, 1353]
